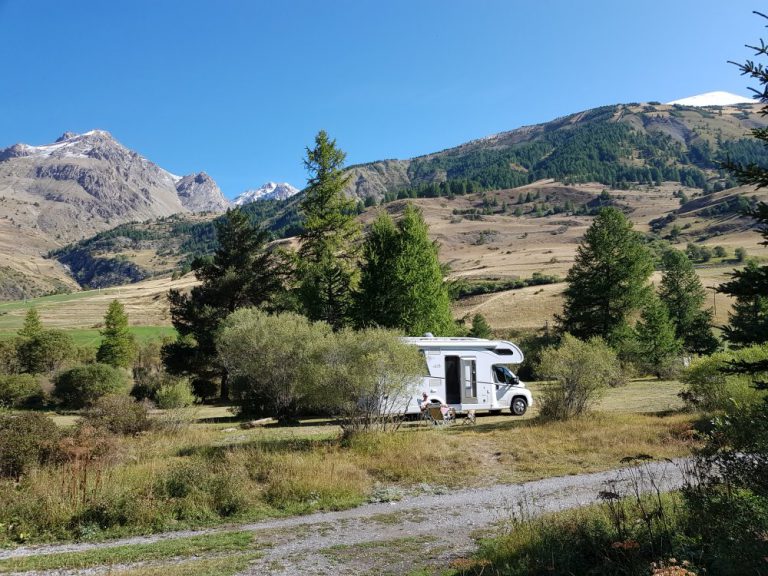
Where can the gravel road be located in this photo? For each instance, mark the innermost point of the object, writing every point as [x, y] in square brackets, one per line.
[423, 530]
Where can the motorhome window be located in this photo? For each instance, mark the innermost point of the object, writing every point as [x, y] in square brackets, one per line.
[503, 374]
[504, 352]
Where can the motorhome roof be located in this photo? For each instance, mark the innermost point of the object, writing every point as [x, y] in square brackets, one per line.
[451, 342]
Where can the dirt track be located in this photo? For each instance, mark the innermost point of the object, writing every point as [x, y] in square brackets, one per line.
[423, 531]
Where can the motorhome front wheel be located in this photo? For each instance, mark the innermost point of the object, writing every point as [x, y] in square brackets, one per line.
[518, 406]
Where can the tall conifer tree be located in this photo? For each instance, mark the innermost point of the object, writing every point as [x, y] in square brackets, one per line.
[242, 272]
[329, 243]
[608, 280]
[402, 282]
[684, 296]
[118, 346]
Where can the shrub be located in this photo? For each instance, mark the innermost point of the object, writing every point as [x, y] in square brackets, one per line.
[709, 387]
[582, 371]
[9, 359]
[83, 385]
[18, 390]
[46, 352]
[119, 414]
[26, 440]
[148, 370]
[367, 378]
[174, 393]
[271, 359]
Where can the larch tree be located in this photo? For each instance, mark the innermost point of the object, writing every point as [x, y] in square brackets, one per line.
[243, 272]
[608, 280]
[480, 327]
[33, 326]
[682, 293]
[657, 344]
[327, 270]
[375, 301]
[118, 345]
[402, 284]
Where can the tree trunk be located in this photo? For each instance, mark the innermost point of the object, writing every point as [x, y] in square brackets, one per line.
[224, 396]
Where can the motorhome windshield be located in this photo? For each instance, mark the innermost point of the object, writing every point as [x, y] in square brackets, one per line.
[503, 374]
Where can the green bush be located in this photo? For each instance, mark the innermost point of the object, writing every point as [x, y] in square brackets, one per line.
[46, 352]
[83, 385]
[119, 414]
[174, 393]
[26, 440]
[709, 387]
[272, 360]
[366, 378]
[17, 390]
[582, 371]
[9, 358]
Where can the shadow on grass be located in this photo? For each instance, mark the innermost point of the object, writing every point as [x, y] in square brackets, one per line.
[264, 444]
[497, 426]
[220, 420]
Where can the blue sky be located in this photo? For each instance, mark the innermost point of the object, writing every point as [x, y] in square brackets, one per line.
[239, 88]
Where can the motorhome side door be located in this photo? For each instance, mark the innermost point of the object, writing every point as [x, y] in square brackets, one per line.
[468, 381]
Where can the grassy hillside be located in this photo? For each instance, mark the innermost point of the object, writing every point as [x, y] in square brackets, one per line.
[616, 146]
[484, 242]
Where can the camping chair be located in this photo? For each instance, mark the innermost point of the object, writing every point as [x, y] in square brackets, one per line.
[436, 416]
[470, 417]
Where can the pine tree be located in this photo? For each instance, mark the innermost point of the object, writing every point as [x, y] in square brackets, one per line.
[480, 327]
[748, 319]
[118, 346]
[328, 253]
[401, 281]
[657, 344]
[682, 293]
[33, 326]
[242, 272]
[609, 278]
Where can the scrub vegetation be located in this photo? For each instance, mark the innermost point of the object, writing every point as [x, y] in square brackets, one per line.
[88, 483]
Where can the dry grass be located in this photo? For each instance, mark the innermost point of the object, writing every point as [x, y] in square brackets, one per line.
[212, 472]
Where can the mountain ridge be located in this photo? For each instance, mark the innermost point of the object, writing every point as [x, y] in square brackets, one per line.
[77, 186]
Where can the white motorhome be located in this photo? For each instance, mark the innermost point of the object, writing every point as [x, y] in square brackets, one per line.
[471, 374]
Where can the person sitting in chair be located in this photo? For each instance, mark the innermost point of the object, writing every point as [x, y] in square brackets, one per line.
[424, 402]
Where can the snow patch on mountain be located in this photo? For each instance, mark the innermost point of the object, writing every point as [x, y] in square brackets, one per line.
[269, 191]
[713, 99]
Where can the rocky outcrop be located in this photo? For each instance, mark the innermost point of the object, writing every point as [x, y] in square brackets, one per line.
[200, 193]
[377, 178]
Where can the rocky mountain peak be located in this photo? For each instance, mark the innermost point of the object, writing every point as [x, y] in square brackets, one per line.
[65, 136]
[268, 191]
